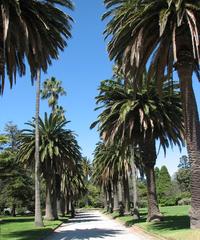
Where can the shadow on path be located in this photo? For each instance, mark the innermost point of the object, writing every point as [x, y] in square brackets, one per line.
[86, 234]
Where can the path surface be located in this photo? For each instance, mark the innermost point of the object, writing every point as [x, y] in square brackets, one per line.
[92, 225]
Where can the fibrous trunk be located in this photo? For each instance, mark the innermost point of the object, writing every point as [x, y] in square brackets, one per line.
[149, 159]
[38, 212]
[49, 206]
[126, 193]
[115, 198]
[192, 132]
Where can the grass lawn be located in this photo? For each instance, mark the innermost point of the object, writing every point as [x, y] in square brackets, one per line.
[174, 227]
[22, 228]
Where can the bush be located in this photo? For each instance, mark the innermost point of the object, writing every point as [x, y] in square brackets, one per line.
[169, 201]
[142, 203]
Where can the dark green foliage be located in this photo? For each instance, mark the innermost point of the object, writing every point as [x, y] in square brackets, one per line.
[183, 175]
[93, 198]
[16, 183]
[164, 185]
[17, 189]
[142, 193]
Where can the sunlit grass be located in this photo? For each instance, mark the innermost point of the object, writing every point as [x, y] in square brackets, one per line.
[175, 226]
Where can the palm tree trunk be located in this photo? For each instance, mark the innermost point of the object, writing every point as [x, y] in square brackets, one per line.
[62, 205]
[54, 199]
[58, 193]
[149, 160]
[126, 193]
[115, 198]
[67, 204]
[135, 211]
[13, 211]
[120, 194]
[49, 210]
[192, 130]
[110, 197]
[38, 212]
[105, 198]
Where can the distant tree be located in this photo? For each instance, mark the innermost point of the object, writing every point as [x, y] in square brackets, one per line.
[183, 175]
[52, 89]
[184, 163]
[17, 189]
[12, 133]
[157, 172]
[164, 183]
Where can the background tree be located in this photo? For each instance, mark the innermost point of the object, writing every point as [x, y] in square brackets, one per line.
[164, 184]
[183, 175]
[16, 182]
[52, 89]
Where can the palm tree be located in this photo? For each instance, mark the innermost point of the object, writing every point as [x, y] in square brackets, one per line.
[52, 89]
[141, 119]
[111, 166]
[34, 31]
[59, 151]
[164, 34]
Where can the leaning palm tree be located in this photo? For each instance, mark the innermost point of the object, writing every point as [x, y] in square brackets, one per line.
[141, 119]
[34, 31]
[164, 34]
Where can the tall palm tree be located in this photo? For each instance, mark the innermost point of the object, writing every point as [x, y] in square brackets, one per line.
[59, 152]
[52, 89]
[164, 34]
[141, 119]
[34, 31]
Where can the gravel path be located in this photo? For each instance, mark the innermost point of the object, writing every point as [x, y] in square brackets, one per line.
[92, 225]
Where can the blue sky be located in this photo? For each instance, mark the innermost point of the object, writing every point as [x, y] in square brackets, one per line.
[81, 67]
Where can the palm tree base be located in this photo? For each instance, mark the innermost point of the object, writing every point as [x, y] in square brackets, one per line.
[39, 224]
[155, 218]
[135, 213]
[49, 218]
[194, 218]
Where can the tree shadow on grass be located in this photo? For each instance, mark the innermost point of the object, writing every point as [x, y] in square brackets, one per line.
[36, 234]
[172, 223]
[17, 220]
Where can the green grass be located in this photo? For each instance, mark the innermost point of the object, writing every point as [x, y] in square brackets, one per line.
[22, 228]
[175, 226]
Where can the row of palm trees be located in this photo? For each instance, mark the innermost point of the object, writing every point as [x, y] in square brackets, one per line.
[32, 33]
[61, 164]
[129, 125]
[161, 36]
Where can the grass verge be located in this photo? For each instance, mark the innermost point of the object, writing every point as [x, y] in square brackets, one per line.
[22, 228]
[175, 226]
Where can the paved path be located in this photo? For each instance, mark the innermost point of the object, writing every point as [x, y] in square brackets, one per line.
[92, 225]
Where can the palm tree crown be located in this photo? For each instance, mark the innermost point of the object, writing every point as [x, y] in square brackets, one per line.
[169, 28]
[32, 30]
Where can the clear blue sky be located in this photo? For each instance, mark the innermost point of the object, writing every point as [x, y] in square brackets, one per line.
[81, 68]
